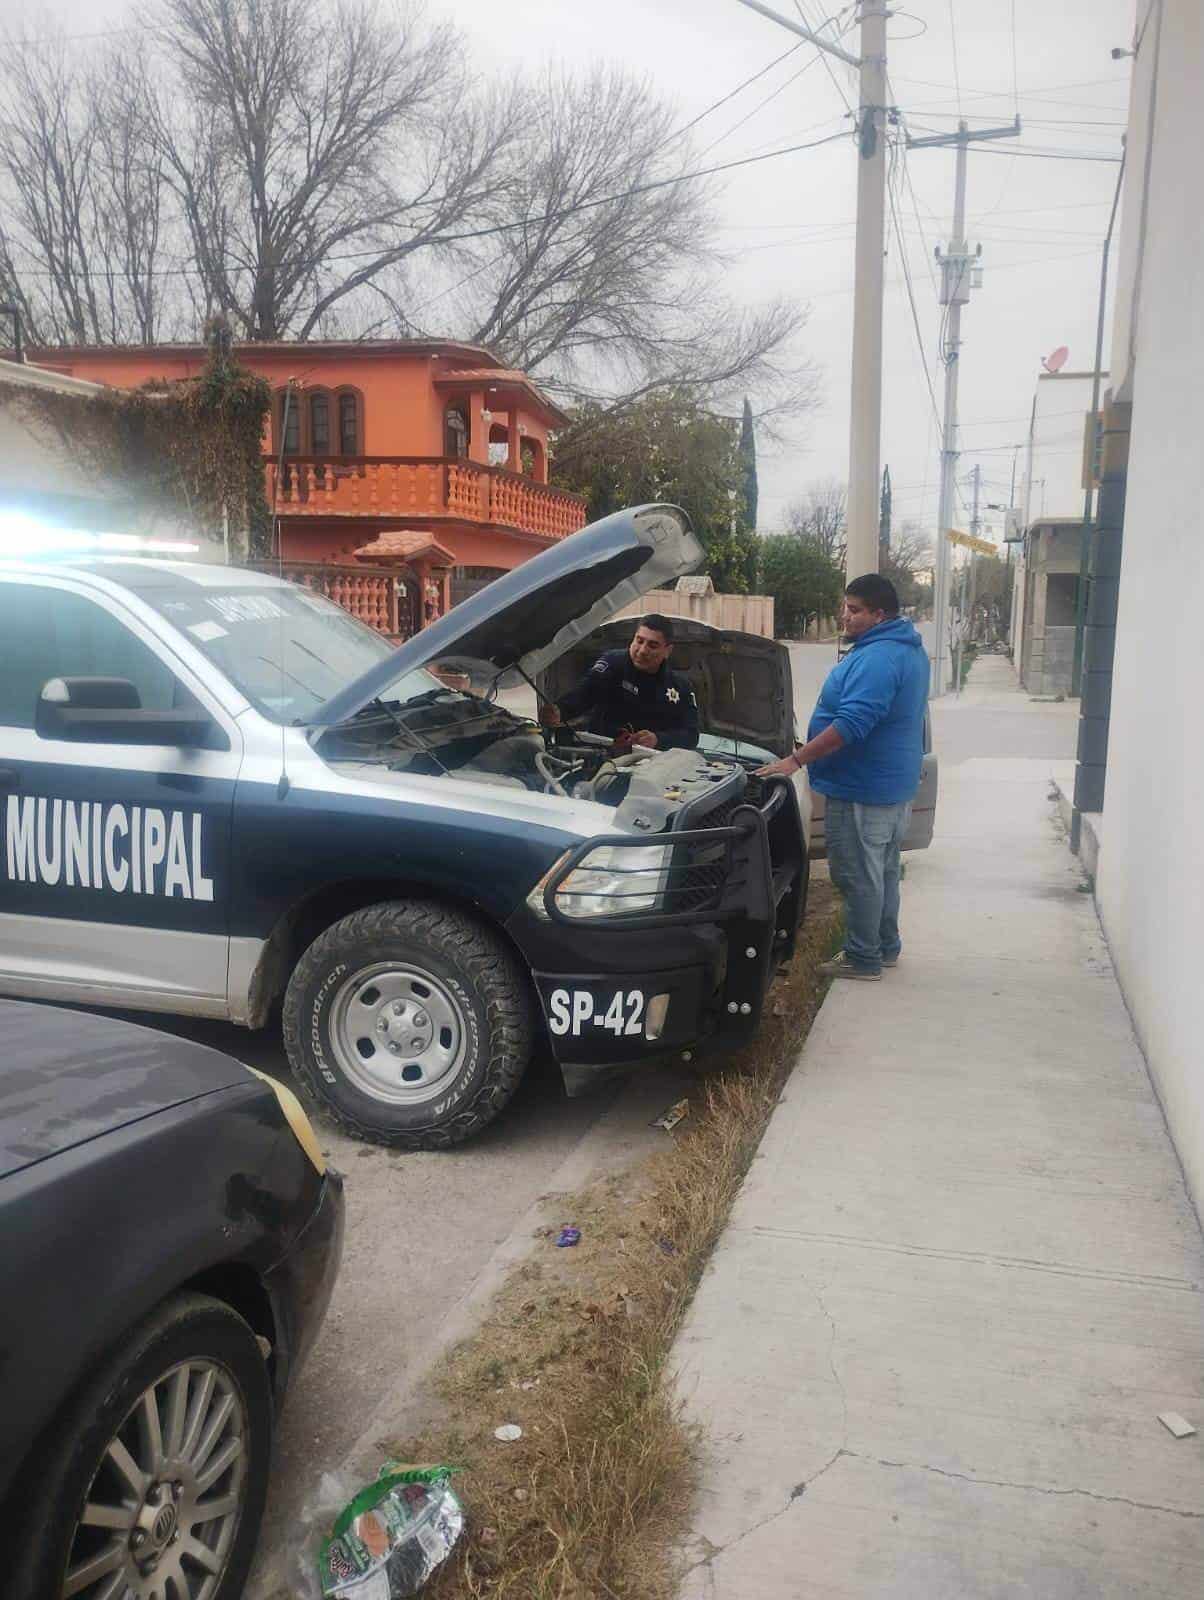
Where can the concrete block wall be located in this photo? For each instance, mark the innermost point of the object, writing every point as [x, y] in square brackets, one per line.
[742, 613]
[1057, 662]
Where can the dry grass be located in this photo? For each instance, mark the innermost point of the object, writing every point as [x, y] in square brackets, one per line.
[590, 1503]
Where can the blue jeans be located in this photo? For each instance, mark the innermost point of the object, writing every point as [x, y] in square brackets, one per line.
[863, 859]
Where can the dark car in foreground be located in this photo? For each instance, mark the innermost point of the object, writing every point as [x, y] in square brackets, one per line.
[171, 1236]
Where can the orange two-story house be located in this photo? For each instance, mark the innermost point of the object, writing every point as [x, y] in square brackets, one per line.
[426, 459]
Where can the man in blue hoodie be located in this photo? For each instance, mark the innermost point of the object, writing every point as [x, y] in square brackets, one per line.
[865, 746]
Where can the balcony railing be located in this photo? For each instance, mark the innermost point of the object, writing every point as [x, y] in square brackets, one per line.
[376, 595]
[420, 487]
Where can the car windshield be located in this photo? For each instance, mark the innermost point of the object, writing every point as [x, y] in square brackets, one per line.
[288, 650]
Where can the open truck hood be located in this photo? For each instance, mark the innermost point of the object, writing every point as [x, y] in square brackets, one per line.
[742, 682]
[532, 615]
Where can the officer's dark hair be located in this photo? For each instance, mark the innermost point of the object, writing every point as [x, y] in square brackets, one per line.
[878, 593]
[658, 624]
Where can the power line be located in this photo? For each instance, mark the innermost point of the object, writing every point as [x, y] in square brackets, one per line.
[1032, 152]
[1017, 211]
[823, 54]
[891, 188]
[1040, 93]
[985, 422]
[509, 227]
[760, 106]
[1052, 155]
[1040, 122]
[68, 38]
[929, 254]
[732, 93]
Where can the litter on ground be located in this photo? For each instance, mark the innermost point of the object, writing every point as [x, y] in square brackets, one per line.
[1179, 1426]
[668, 1120]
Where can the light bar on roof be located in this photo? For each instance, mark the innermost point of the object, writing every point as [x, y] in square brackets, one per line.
[23, 536]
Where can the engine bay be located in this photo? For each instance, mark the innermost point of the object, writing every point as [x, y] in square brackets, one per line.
[475, 740]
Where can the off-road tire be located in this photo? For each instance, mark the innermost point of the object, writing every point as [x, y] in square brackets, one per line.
[53, 1483]
[494, 993]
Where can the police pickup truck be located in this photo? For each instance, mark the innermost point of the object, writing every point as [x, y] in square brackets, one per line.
[221, 791]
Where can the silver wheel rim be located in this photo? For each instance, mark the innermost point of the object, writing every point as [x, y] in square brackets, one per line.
[163, 1508]
[398, 1033]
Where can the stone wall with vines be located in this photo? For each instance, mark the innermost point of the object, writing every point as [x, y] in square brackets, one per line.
[189, 451]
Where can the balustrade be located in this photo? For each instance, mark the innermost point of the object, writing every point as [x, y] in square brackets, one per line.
[421, 487]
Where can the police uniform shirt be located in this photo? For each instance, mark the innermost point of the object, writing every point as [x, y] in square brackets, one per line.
[619, 696]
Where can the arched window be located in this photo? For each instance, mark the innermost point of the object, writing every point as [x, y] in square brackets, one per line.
[319, 423]
[455, 433]
[499, 444]
[351, 422]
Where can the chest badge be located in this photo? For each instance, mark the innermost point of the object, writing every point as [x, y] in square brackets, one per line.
[672, 696]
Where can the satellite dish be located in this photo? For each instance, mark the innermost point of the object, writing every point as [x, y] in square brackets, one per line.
[1057, 361]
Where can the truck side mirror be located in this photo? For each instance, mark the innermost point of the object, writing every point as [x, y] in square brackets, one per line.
[109, 711]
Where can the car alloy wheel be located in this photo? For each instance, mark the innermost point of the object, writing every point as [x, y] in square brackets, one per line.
[161, 1514]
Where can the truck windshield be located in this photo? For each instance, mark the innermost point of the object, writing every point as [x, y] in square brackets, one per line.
[288, 650]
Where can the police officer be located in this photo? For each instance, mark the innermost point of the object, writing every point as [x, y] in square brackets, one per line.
[633, 696]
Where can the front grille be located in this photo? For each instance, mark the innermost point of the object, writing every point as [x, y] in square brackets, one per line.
[701, 869]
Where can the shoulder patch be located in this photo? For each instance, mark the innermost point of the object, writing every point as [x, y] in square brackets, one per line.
[601, 665]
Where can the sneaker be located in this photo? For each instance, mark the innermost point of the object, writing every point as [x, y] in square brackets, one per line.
[841, 967]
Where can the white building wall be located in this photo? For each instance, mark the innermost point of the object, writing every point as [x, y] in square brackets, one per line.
[1059, 423]
[1150, 884]
[1129, 253]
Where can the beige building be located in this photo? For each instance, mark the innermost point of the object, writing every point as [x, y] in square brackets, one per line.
[1049, 552]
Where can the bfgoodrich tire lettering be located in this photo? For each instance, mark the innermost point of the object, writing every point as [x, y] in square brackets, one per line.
[434, 986]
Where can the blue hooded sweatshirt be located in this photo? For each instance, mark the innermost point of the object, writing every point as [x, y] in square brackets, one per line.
[875, 698]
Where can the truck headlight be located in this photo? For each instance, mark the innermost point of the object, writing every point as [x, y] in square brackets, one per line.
[612, 881]
[294, 1115]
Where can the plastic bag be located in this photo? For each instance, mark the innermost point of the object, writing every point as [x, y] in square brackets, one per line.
[390, 1538]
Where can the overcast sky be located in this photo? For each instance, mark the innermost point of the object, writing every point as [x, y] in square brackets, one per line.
[788, 222]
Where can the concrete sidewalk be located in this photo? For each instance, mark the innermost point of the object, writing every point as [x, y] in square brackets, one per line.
[963, 1277]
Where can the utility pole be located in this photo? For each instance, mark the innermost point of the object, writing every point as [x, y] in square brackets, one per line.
[865, 411]
[959, 274]
[972, 575]
[955, 291]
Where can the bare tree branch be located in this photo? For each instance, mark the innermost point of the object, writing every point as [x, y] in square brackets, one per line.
[820, 516]
[324, 146]
[309, 171]
[84, 235]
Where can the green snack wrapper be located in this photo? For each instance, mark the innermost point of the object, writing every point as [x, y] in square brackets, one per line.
[392, 1536]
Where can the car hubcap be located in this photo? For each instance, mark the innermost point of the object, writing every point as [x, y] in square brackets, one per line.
[163, 1507]
[398, 1033]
